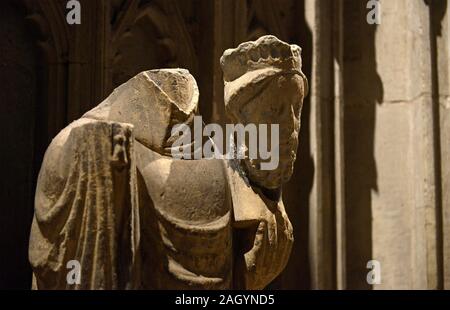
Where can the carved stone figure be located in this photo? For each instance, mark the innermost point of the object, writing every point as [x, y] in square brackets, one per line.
[111, 196]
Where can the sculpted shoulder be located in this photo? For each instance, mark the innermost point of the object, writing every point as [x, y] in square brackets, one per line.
[190, 190]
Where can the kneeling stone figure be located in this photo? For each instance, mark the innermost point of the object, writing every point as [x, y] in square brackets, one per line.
[111, 196]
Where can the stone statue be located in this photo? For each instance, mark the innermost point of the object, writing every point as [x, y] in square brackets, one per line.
[111, 197]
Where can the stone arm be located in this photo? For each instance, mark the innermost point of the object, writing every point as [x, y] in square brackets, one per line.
[263, 234]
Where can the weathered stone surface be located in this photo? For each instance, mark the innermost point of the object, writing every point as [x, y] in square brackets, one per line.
[85, 208]
[153, 101]
[111, 196]
[264, 84]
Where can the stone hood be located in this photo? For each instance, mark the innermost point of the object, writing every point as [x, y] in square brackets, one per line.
[153, 102]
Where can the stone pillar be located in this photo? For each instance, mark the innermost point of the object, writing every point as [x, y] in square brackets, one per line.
[321, 203]
[393, 201]
[440, 21]
[89, 79]
[378, 132]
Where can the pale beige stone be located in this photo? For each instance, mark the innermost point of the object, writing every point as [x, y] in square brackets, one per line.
[153, 101]
[264, 84]
[111, 196]
[85, 208]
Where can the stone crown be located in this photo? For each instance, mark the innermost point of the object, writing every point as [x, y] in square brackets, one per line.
[267, 51]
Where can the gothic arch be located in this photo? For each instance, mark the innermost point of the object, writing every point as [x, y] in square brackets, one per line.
[160, 28]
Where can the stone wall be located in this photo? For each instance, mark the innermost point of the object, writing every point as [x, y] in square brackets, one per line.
[387, 143]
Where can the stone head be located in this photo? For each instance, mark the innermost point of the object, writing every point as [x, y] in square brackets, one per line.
[264, 84]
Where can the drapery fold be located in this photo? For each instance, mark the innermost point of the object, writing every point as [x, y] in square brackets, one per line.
[83, 211]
